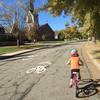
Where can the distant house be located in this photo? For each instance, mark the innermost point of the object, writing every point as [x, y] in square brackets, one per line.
[43, 32]
[46, 32]
[56, 34]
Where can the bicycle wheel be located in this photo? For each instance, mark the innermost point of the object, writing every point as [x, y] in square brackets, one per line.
[90, 90]
[75, 83]
[87, 91]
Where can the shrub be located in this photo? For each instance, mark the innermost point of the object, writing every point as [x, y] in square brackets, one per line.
[7, 37]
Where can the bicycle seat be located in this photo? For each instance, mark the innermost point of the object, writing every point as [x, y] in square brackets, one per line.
[75, 72]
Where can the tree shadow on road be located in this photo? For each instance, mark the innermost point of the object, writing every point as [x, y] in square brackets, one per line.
[88, 87]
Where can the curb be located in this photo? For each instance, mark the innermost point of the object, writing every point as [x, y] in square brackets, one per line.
[6, 56]
[10, 55]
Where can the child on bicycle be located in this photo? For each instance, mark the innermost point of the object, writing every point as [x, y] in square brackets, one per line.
[75, 63]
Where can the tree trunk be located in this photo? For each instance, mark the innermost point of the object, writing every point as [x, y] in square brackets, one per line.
[18, 39]
[18, 42]
[94, 37]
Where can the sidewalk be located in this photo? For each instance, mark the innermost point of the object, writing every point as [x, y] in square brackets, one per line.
[9, 55]
[92, 63]
[93, 52]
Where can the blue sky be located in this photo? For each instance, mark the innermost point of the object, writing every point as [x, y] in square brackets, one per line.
[56, 23]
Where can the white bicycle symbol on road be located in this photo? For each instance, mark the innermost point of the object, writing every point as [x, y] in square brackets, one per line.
[40, 68]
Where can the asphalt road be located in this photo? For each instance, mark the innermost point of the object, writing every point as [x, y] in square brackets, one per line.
[16, 83]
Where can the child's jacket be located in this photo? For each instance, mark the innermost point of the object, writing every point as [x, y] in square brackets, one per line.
[74, 61]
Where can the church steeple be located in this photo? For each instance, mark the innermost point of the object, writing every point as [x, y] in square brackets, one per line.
[31, 7]
[32, 17]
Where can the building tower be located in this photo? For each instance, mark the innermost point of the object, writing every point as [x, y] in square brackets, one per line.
[32, 18]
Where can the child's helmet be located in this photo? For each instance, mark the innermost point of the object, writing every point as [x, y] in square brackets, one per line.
[74, 51]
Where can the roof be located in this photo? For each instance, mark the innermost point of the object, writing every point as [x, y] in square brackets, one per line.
[45, 28]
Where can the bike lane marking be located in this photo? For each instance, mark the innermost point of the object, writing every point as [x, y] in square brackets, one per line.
[39, 68]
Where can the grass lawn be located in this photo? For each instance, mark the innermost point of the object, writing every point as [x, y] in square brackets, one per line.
[9, 49]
